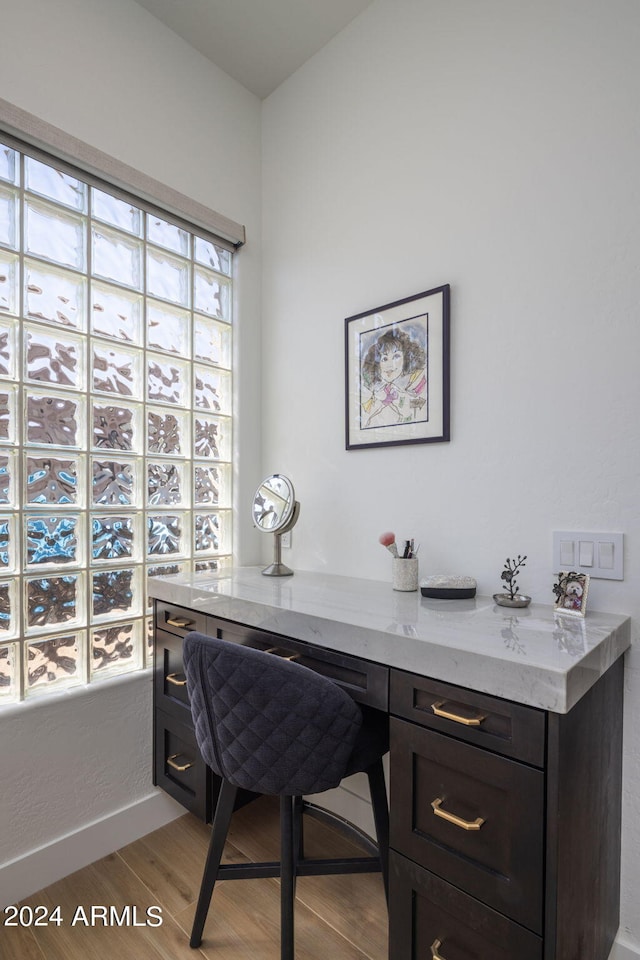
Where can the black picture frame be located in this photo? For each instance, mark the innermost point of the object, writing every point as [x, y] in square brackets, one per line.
[397, 372]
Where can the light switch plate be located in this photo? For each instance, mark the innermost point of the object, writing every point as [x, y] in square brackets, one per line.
[603, 553]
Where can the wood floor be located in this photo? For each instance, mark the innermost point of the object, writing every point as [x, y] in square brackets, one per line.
[337, 918]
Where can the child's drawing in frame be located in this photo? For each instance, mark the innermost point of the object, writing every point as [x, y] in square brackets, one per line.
[571, 593]
[393, 374]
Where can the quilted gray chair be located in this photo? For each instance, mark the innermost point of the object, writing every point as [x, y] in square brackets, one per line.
[271, 726]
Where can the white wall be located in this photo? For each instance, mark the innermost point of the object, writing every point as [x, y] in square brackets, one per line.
[494, 146]
[76, 781]
[113, 76]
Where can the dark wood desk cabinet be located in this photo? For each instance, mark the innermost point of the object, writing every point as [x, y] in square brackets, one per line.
[505, 824]
[505, 819]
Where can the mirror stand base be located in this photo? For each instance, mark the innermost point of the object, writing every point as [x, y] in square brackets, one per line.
[277, 570]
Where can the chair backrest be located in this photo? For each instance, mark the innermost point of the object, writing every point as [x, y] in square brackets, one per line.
[265, 723]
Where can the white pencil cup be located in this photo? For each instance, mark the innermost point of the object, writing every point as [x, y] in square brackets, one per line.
[405, 574]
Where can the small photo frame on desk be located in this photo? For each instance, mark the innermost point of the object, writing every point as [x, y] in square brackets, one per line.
[397, 372]
[571, 592]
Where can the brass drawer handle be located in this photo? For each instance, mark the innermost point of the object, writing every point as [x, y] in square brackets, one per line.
[180, 622]
[435, 948]
[451, 817]
[276, 651]
[468, 721]
[180, 767]
[173, 678]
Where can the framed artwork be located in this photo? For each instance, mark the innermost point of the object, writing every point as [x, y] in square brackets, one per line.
[397, 372]
[571, 593]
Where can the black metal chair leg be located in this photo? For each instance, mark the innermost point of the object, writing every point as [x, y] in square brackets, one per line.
[380, 806]
[287, 878]
[219, 830]
[298, 827]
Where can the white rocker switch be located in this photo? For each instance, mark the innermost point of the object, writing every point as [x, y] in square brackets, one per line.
[586, 553]
[567, 554]
[605, 555]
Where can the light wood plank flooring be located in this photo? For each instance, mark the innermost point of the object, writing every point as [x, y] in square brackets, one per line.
[341, 917]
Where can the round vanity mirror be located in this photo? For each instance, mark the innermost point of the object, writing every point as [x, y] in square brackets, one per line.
[275, 510]
[273, 503]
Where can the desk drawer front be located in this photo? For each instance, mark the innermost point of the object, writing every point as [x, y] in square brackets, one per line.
[177, 620]
[366, 682]
[178, 766]
[471, 817]
[169, 678]
[499, 725]
[426, 914]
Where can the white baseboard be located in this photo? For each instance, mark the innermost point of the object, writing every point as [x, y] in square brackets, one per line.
[26, 875]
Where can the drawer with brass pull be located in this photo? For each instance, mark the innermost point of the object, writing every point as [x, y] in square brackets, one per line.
[431, 919]
[510, 729]
[177, 620]
[366, 682]
[178, 767]
[168, 676]
[474, 818]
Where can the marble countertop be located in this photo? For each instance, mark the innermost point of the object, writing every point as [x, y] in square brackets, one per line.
[532, 655]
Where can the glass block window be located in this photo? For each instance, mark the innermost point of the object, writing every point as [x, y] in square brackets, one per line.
[115, 420]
